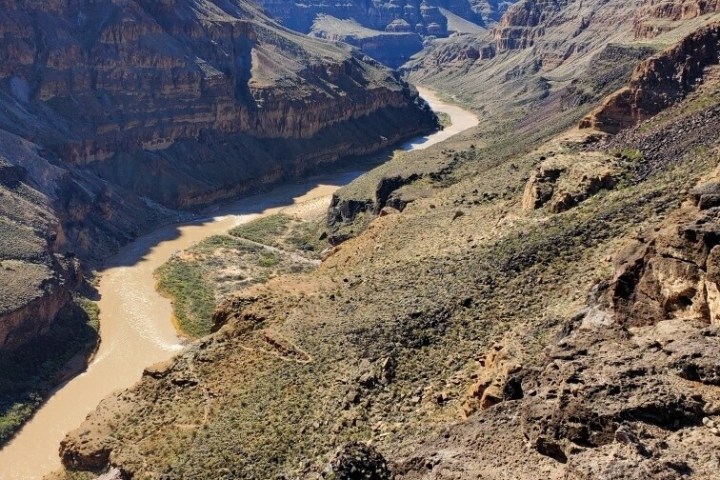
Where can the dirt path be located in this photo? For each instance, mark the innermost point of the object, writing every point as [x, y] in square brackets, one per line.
[136, 330]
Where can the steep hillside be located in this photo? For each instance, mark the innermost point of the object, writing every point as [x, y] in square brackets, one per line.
[567, 53]
[420, 16]
[191, 91]
[540, 303]
[659, 82]
[114, 114]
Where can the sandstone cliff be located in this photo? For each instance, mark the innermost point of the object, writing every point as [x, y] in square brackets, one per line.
[658, 82]
[190, 91]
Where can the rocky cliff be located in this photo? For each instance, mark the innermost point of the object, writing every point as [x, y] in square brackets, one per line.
[36, 277]
[391, 32]
[121, 90]
[390, 48]
[525, 21]
[420, 16]
[51, 215]
[648, 26]
[542, 305]
[658, 82]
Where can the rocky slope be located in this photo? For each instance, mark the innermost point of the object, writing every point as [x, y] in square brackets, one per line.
[422, 17]
[545, 51]
[658, 82]
[113, 114]
[192, 91]
[538, 304]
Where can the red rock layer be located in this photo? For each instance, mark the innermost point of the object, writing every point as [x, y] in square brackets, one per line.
[658, 82]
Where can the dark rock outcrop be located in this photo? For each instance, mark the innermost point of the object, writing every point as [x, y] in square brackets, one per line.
[30, 309]
[635, 388]
[563, 183]
[357, 461]
[672, 273]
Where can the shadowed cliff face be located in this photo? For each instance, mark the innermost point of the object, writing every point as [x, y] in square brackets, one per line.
[112, 111]
[165, 86]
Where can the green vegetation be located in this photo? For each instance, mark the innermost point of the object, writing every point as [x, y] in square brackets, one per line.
[307, 237]
[631, 154]
[263, 230]
[268, 259]
[285, 232]
[193, 301]
[30, 373]
[16, 414]
[92, 311]
[223, 264]
[444, 118]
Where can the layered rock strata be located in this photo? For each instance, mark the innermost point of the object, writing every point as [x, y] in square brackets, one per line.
[658, 82]
[187, 89]
[420, 16]
[114, 111]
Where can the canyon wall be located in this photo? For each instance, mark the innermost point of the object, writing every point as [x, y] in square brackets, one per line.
[97, 83]
[390, 48]
[658, 82]
[116, 112]
[421, 16]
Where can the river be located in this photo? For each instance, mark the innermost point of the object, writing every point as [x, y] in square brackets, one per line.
[135, 321]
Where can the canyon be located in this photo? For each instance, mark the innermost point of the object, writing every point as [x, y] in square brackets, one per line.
[115, 114]
[136, 327]
[533, 296]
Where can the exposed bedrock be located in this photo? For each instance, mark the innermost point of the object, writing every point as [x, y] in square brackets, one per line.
[145, 84]
[658, 82]
[420, 16]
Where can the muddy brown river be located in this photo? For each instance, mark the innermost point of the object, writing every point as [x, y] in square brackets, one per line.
[135, 321]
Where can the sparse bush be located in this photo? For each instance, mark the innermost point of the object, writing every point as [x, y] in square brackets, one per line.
[263, 230]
